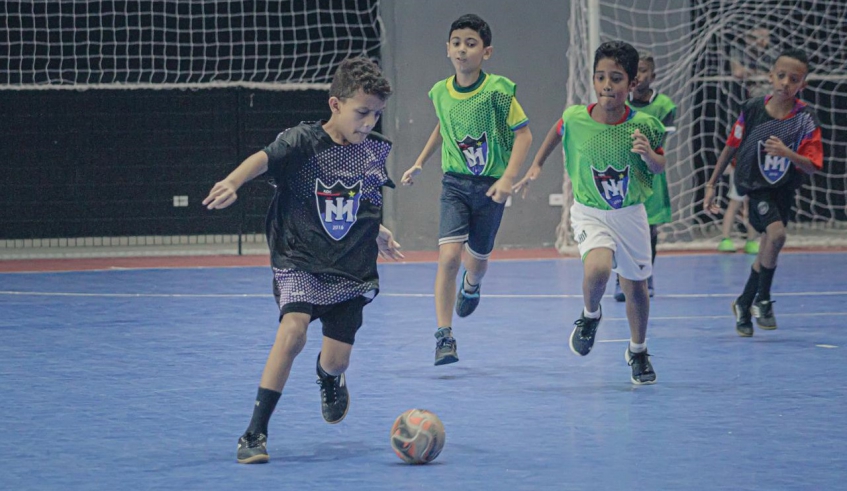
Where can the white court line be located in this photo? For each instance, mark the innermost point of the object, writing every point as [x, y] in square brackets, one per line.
[400, 295]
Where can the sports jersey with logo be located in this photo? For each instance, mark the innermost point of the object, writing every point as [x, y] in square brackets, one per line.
[799, 131]
[324, 219]
[477, 124]
[605, 173]
[658, 205]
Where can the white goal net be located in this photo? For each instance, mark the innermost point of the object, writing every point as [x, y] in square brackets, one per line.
[710, 56]
[144, 44]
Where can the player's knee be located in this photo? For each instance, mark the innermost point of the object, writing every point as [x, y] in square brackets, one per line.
[777, 236]
[291, 336]
[334, 365]
[449, 258]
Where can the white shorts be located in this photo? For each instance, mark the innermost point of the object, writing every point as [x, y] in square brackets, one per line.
[624, 231]
[732, 193]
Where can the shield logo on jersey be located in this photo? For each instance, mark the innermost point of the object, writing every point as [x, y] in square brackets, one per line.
[338, 206]
[612, 184]
[773, 168]
[475, 151]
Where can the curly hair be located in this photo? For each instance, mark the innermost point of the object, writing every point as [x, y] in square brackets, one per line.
[359, 73]
[621, 53]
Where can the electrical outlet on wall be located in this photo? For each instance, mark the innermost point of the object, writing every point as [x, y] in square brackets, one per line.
[180, 201]
[556, 199]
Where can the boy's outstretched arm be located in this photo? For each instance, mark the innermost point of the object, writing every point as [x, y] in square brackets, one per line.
[223, 192]
[551, 141]
[725, 158]
[502, 189]
[433, 143]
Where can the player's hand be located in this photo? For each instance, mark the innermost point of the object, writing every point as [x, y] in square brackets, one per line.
[641, 145]
[410, 174]
[523, 185]
[710, 204]
[221, 196]
[775, 147]
[500, 190]
[388, 247]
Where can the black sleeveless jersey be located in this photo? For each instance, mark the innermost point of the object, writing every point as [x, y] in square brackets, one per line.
[327, 208]
[755, 169]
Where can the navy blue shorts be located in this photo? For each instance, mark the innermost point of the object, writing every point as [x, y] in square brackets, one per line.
[769, 206]
[468, 215]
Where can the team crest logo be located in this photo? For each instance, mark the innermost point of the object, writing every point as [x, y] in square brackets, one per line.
[338, 207]
[475, 151]
[773, 168]
[612, 184]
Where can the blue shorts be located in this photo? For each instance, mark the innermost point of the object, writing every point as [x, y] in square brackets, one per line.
[468, 215]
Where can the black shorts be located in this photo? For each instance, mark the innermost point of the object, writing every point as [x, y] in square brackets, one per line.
[340, 320]
[769, 206]
[468, 215]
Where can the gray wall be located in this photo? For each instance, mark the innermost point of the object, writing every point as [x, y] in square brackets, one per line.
[529, 48]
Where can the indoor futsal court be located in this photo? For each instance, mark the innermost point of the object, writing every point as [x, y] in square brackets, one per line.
[144, 378]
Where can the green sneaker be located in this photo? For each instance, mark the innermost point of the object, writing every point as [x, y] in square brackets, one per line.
[751, 247]
[726, 245]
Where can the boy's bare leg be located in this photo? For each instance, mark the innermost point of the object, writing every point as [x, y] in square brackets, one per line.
[729, 217]
[290, 339]
[449, 260]
[771, 244]
[476, 269]
[637, 308]
[597, 268]
[335, 356]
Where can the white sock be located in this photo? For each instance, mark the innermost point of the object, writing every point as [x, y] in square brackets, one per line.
[590, 315]
[637, 348]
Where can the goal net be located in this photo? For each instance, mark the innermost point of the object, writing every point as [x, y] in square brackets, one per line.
[144, 44]
[710, 56]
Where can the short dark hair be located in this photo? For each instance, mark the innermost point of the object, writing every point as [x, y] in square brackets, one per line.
[797, 54]
[359, 73]
[474, 22]
[622, 53]
[648, 57]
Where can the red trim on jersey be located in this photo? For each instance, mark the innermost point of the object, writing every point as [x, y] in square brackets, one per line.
[560, 127]
[811, 147]
[736, 133]
[622, 120]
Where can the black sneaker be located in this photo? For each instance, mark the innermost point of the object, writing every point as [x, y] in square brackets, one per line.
[445, 347]
[466, 302]
[762, 310]
[335, 400]
[253, 448]
[584, 332]
[743, 322]
[642, 369]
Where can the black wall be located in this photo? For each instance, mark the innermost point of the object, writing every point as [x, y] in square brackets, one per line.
[109, 162]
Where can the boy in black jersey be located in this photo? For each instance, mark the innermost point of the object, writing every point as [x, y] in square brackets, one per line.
[324, 233]
[777, 139]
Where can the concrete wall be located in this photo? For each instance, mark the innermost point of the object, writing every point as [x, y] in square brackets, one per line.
[530, 40]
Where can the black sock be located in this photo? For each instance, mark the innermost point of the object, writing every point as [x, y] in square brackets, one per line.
[765, 281]
[750, 289]
[266, 400]
[654, 239]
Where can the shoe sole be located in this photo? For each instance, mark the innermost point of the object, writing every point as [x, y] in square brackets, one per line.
[256, 459]
[446, 360]
[636, 382]
[735, 316]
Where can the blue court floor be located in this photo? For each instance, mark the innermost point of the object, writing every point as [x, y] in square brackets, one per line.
[144, 379]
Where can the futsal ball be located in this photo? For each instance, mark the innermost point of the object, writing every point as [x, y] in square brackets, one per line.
[417, 436]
